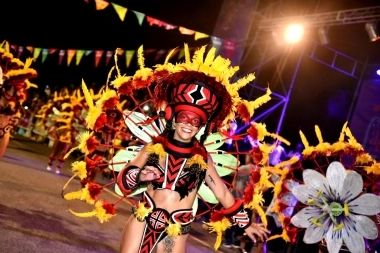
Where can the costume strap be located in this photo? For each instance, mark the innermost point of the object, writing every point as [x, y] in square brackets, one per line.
[128, 179]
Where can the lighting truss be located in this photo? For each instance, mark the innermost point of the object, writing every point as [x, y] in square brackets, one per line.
[343, 17]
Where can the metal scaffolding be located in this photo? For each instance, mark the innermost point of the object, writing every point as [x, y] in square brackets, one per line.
[344, 17]
[269, 53]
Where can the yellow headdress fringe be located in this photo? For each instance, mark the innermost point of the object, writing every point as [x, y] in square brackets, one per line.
[219, 227]
[257, 203]
[99, 212]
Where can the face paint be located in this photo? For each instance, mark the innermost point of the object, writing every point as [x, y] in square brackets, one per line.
[189, 117]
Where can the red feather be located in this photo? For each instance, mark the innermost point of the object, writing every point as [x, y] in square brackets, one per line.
[92, 144]
[94, 189]
[126, 88]
[248, 193]
[252, 131]
[243, 113]
[110, 103]
[100, 122]
[216, 216]
[110, 208]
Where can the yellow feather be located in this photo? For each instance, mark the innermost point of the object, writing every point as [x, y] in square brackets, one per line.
[210, 56]
[84, 215]
[101, 213]
[197, 159]
[105, 96]
[341, 136]
[187, 54]
[198, 55]
[157, 149]
[87, 95]
[142, 212]
[79, 167]
[219, 227]
[170, 55]
[140, 57]
[304, 140]
[173, 229]
[319, 134]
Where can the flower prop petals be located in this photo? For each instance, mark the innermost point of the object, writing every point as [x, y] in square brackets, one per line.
[367, 204]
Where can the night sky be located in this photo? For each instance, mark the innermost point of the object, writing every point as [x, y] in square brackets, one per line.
[321, 95]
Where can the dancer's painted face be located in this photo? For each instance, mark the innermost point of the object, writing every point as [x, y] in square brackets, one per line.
[189, 117]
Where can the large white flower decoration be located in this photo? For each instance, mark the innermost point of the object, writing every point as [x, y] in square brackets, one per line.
[335, 212]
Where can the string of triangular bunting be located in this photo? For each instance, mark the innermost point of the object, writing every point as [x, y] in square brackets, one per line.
[122, 11]
[41, 54]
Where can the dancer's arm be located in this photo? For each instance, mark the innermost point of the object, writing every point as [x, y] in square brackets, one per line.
[233, 208]
[129, 177]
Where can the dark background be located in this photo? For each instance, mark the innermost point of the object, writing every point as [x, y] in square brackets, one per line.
[321, 95]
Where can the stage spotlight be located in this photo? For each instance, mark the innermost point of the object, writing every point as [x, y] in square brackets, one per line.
[378, 72]
[371, 30]
[322, 34]
[294, 33]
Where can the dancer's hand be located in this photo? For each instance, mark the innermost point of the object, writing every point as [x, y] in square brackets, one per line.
[259, 230]
[149, 173]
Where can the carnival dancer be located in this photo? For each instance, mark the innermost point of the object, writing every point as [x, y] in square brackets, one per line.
[196, 101]
[14, 75]
[196, 94]
[66, 127]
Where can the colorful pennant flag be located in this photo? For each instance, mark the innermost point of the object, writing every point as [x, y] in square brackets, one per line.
[229, 47]
[186, 31]
[98, 56]
[14, 47]
[120, 10]
[160, 54]
[30, 49]
[101, 4]
[61, 55]
[128, 56]
[45, 53]
[70, 55]
[20, 50]
[199, 35]
[217, 43]
[120, 51]
[79, 56]
[109, 55]
[36, 53]
[53, 50]
[88, 52]
[140, 16]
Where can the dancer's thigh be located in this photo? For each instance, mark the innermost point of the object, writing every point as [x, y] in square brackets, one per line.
[3, 144]
[131, 236]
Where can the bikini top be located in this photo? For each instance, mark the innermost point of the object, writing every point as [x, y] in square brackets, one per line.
[177, 175]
